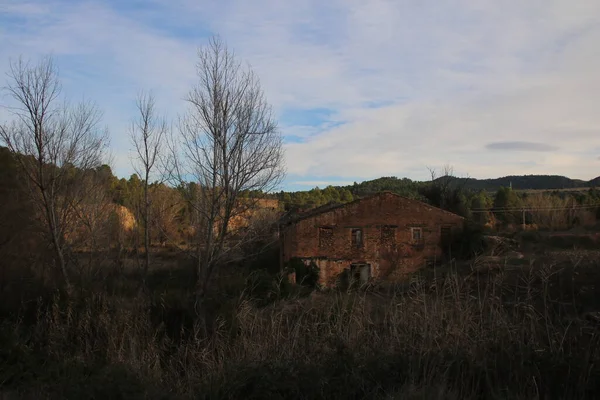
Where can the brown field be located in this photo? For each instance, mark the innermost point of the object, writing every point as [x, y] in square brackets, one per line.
[500, 326]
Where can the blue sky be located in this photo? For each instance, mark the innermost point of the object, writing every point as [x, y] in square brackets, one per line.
[361, 88]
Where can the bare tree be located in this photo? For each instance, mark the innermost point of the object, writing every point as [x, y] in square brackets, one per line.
[166, 203]
[445, 188]
[147, 134]
[89, 231]
[230, 146]
[442, 181]
[55, 144]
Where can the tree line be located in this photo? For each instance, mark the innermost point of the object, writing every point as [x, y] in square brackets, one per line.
[550, 209]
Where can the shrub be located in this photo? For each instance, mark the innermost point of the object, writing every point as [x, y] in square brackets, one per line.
[469, 243]
[264, 288]
[306, 275]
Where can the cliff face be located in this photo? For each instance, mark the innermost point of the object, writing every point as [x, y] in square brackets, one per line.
[103, 224]
[252, 210]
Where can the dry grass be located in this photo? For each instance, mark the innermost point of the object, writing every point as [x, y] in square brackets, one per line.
[483, 335]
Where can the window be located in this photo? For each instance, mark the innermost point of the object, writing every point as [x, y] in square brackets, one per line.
[357, 238]
[417, 234]
[325, 238]
[445, 233]
[388, 235]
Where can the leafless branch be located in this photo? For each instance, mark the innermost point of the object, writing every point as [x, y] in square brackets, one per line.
[228, 144]
[147, 134]
[55, 144]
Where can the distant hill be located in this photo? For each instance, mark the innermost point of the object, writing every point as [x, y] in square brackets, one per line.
[594, 182]
[409, 187]
[453, 198]
[527, 182]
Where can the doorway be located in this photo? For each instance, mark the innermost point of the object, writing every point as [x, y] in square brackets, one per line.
[361, 273]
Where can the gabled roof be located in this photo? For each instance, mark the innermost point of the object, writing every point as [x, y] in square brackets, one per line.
[329, 207]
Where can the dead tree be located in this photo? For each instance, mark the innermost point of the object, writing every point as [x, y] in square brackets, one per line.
[147, 134]
[93, 220]
[229, 145]
[445, 189]
[55, 144]
[442, 182]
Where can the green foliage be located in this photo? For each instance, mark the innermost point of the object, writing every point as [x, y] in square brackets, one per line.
[458, 195]
[507, 198]
[410, 188]
[481, 200]
[469, 243]
[526, 182]
[446, 194]
[315, 197]
[402, 186]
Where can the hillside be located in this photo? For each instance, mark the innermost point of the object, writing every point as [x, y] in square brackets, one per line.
[518, 182]
[453, 187]
[527, 182]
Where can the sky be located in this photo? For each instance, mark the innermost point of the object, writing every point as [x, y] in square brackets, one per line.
[360, 88]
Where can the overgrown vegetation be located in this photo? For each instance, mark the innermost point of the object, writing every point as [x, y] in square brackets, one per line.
[463, 335]
[116, 288]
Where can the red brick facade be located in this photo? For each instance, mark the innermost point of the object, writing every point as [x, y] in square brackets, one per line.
[383, 236]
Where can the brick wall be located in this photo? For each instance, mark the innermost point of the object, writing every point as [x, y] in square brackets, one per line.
[386, 222]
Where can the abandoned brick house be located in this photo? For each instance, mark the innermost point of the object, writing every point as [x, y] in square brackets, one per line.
[383, 236]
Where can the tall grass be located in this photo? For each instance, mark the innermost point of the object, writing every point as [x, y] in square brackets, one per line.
[492, 335]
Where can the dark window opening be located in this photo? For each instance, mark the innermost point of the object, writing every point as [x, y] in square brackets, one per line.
[445, 234]
[417, 235]
[361, 273]
[325, 238]
[388, 235]
[357, 238]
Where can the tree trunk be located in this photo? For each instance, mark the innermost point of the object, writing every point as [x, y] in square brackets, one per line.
[58, 250]
[146, 231]
[60, 257]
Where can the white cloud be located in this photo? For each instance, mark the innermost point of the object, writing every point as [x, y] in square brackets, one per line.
[410, 84]
[106, 57]
[454, 78]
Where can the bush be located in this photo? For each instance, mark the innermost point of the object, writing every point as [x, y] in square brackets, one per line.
[528, 237]
[306, 275]
[264, 288]
[469, 243]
